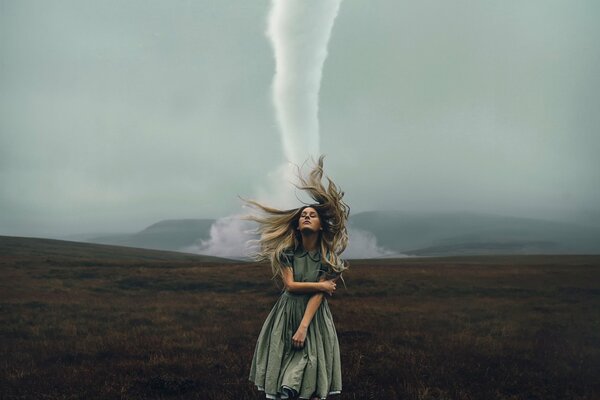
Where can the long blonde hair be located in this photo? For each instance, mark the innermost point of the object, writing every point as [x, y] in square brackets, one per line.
[277, 228]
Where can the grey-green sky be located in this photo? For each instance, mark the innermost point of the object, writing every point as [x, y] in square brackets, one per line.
[117, 114]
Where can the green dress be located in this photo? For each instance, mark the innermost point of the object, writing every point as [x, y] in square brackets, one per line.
[282, 371]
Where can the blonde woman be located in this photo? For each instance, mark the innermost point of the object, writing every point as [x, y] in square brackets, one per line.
[297, 352]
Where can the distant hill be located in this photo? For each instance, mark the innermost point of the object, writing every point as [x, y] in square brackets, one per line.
[172, 234]
[421, 234]
[463, 233]
[52, 250]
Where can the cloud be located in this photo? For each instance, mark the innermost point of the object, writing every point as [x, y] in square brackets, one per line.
[363, 244]
[229, 238]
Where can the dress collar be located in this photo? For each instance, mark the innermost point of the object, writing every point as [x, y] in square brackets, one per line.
[314, 255]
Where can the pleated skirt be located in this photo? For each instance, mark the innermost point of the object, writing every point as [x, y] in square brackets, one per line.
[282, 371]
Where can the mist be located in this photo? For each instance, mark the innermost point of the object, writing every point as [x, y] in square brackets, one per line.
[115, 115]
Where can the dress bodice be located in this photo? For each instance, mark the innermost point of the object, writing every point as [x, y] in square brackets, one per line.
[307, 265]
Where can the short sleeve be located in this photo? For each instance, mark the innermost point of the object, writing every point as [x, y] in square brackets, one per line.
[287, 259]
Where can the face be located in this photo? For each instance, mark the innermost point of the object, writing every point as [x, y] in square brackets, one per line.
[309, 219]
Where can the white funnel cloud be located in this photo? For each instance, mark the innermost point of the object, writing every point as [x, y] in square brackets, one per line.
[279, 190]
[299, 31]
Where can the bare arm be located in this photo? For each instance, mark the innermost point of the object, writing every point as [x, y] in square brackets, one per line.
[306, 287]
[311, 308]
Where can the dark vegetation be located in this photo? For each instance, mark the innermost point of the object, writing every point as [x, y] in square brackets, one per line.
[101, 322]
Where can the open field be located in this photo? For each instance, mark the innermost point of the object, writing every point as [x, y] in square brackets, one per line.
[116, 323]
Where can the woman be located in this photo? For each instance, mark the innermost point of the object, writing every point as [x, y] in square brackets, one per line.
[297, 351]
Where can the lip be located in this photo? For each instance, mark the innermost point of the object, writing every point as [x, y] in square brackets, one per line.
[306, 222]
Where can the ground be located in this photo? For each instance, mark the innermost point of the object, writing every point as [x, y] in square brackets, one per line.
[79, 323]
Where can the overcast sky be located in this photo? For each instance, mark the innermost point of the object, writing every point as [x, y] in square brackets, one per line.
[118, 114]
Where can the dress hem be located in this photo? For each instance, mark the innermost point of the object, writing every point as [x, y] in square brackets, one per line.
[278, 396]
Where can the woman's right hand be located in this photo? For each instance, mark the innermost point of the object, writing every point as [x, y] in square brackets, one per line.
[328, 286]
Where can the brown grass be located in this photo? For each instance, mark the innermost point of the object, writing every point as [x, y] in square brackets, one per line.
[524, 327]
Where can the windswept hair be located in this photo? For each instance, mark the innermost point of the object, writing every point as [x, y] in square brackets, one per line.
[278, 228]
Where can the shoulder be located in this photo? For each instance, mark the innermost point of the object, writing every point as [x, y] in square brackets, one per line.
[287, 257]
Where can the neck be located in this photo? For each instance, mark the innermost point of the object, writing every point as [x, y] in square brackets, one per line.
[309, 240]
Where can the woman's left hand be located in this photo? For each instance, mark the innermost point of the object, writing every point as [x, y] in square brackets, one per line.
[299, 338]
